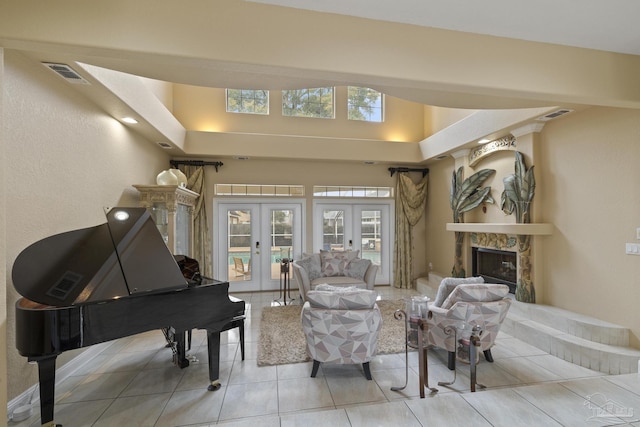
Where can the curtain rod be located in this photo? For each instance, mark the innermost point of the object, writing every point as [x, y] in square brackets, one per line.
[175, 163]
[423, 170]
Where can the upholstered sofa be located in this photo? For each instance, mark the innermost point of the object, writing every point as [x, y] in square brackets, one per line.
[336, 268]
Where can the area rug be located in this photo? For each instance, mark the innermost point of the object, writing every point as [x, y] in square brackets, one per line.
[282, 340]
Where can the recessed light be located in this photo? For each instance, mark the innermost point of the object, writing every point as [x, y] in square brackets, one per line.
[241, 157]
[484, 141]
[121, 215]
[129, 120]
[370, 162]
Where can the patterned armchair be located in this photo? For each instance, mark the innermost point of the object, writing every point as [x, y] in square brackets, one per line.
[469, 304]
[341, 325]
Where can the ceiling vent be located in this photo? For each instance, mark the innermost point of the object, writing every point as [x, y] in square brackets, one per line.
[554, 115]
[66, 72]
[165, 145]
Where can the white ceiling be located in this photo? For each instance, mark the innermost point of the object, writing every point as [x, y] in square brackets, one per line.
[609, 25]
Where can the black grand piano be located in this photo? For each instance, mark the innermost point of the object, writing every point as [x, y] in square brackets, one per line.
[113, 280]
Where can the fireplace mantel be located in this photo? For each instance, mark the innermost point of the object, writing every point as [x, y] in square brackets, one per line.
[537, 229]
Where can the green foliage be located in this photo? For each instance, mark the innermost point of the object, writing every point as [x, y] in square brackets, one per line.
[316, 102]
[467, 195]
[364, 104]
[519, 190]
[248, 101]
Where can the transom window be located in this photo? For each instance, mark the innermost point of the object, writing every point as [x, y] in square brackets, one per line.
[259, 190]
[352, 191]
[364, 104]
[316, 102]
[247, 101]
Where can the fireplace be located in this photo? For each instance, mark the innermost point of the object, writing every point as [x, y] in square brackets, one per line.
[496, 266]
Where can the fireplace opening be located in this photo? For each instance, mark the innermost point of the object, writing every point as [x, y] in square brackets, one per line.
[496, 266]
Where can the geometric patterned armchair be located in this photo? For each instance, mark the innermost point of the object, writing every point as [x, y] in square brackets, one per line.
[469, 304]
[341, 325]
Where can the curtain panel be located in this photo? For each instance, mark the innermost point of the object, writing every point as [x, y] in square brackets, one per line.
[201, 236]
[410, 206]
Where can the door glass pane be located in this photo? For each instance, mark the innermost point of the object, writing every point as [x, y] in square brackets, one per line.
[239, 244]
[333, 230]
[371, 235]
[183, 230]
[281, 238]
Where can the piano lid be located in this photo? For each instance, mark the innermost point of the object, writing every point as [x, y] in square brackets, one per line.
[125, 256]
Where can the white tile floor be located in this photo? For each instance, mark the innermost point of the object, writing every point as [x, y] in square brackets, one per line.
[133, 383]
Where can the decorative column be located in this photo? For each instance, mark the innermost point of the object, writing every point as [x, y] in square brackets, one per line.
[525, 213]
[461, 256]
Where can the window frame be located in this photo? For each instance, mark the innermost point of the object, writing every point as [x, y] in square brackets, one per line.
[241, 110]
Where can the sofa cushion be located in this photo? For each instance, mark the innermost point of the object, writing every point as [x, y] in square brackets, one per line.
[350, 255]
[338, 281]
[357, 268]
[334, 267]
[485, 292]
[333, 263]
[311, 265]
[448, 284]
[341, 298]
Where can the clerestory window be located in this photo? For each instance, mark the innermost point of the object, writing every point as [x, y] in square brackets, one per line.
[365, 104]
[248, 101]
[316, 102]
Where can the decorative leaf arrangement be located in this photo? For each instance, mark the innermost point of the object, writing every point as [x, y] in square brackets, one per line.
[519, 189]
[463, 197]
[467, 195]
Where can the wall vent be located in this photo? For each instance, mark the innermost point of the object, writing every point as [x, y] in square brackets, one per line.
[554, 115]
[66, 72]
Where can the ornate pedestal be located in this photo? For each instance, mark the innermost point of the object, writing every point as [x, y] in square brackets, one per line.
[171, 207]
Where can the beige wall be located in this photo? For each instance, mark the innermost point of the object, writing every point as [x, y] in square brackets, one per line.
[587, 187]
[65, 160]
[204, 109]
[440, 245]
[438, 118]
[3, 249]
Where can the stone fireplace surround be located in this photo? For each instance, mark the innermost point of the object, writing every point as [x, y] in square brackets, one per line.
[502, 237]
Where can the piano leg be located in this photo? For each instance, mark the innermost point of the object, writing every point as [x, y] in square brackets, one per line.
[47, 378]
[181, 359]
[213, 348]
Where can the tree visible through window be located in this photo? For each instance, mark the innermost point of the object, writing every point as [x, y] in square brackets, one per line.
[247, 101]
[316, 102]
[364, 104]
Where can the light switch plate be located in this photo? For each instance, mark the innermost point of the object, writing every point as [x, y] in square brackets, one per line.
[638, 233]
[632, 248]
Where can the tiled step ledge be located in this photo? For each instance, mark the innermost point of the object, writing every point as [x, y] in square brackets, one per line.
[606, 358]
[575, 324]
[579, 339]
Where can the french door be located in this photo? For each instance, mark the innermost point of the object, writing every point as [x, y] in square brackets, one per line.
[251, 239]
[343, 225]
